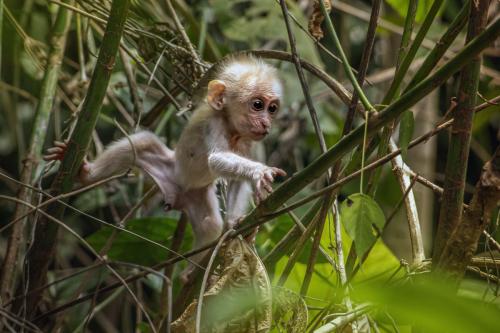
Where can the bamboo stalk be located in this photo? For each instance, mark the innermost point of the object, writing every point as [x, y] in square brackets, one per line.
[43, 247]
[408, 57]
[404, 61]
[39, 131]
[450, 214]
[441, 47]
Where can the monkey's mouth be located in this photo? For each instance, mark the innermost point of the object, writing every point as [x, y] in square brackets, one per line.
[259, 135]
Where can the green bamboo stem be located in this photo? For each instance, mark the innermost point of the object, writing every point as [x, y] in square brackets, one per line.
[365, 60]
[346, 144]
[408, 57]
[345, 63]
[286, 244]
[39, 131]
[403, 52]
[442, 46]
[407, 31]
[43, 247]
[450, 213]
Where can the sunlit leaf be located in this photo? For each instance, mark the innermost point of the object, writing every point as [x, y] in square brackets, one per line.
[432, 306]
[360, 214]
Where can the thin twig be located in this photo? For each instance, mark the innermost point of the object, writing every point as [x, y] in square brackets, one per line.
[205, 278]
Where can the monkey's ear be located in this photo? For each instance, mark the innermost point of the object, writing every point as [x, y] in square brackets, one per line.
[215, 94]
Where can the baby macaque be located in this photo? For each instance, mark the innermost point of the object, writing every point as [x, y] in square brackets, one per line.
[239, 108]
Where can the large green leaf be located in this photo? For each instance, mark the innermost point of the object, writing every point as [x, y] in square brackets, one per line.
[431, 306]
[360, 214]
[130, 248]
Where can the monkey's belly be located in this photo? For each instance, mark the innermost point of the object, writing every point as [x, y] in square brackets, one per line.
[194, 173]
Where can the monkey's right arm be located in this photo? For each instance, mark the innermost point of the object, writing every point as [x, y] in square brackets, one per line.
[230, 165]
[142, 149]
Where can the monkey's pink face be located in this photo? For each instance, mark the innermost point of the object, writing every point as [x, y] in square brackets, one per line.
[255, 117]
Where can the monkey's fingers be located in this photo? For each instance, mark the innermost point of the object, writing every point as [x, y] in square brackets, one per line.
[260, 193]
[49, 158]
[279, 172]
[61, 144]
[55, 150]
[256, 198]
[267, 186]
[268, 176]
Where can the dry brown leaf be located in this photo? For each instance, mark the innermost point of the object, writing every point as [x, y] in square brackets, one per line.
[317, 18]
[238, 299]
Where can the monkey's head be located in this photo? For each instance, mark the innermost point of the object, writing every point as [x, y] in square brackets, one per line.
[248, 92]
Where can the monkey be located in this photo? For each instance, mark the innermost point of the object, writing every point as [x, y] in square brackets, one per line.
[238, 108]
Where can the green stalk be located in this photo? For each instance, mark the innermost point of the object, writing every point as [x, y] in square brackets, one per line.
[403, 51]
[288, 242]
[346, 144]
[343, 57]
[408, 57]
[442, 45]
[450, 214]
[407, 31]
[43, 247]
[38, 133]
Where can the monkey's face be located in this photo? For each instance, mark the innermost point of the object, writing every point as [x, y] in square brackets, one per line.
[248, 91]
[255, 116]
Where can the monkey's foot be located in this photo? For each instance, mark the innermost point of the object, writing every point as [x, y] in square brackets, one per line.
[57, 152]
[186, 274]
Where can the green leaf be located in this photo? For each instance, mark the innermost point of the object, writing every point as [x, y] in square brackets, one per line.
[434, 306]
[130, 248]
[406, 131]
[359, 214]
[401, 7]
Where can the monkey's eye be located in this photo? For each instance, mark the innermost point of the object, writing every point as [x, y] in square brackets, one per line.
[258, 105]
[272, 108]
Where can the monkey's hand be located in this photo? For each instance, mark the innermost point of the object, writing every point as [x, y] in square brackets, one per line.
[262, 179]
[57, 152]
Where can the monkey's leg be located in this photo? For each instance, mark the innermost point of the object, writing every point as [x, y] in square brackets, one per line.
[143, 150]
[202, 208]
[238, 198]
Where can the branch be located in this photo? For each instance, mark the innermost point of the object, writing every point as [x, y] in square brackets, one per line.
[39, 131]
[462, 244]
[458, 149]
[43, 248]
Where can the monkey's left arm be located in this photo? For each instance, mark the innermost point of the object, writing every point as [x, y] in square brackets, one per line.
[230, 165]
